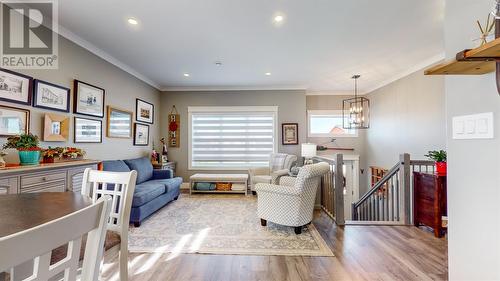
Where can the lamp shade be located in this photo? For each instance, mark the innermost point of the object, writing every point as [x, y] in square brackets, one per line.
[308, 150]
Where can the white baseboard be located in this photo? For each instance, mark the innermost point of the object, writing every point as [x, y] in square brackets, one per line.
[185, 185]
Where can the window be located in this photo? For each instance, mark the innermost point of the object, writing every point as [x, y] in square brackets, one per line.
[232, 138]
[327, 123]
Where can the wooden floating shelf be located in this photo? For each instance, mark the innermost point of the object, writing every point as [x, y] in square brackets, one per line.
[477, 61]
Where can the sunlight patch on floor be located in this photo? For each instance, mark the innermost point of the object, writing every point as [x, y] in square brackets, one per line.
[178, 248]
[195, 246]
[152, 259]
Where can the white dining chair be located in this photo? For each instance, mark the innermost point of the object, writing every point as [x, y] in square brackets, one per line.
[120, 186]
[36, 244]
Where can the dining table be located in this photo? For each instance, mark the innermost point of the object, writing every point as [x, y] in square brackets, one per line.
[19, 212]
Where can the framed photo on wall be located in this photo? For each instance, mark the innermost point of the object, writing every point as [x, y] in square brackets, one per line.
[119, 123]
[15, 87]
[89, 99]
[50, 96]
[13, 121]
[141, 134]
[87, 130]
[56, 127]
[144, 111]
[290, 133]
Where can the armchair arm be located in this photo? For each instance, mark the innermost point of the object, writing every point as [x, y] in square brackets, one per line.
[288, 181]
[276, 189]
[276, 175]
[258, 171]
[162, 174]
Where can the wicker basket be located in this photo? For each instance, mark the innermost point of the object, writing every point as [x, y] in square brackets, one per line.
[223, 186]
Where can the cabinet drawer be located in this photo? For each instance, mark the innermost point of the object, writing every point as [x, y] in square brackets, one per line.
[42, 178]
[54, 186]
[8, 185]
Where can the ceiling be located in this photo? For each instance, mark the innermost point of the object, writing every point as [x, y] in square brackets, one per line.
[319, 45]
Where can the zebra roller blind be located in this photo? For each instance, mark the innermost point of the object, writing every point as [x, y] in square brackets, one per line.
[233, 137]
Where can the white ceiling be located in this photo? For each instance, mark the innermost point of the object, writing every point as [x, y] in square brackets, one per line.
[318, 47]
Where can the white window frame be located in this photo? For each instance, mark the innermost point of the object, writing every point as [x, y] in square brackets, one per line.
[200, 109]
[326, 135]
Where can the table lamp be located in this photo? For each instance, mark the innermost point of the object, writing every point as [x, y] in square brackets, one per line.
[308, 152]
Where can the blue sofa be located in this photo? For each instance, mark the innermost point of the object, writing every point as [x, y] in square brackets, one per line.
[153, 190]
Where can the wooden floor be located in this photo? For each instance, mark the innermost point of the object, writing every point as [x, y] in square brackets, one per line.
[361, 253]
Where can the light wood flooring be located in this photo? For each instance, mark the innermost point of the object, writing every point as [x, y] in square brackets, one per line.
[361, 253]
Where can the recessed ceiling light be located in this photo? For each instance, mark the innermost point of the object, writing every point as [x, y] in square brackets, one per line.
[218, 63]
[186, 75]
[279, 18]
[133, 21]
[268, 73]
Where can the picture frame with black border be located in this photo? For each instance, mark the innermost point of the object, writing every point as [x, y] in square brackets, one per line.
[87, 136]
[289, 133]
[14, 84]
[144, 111]
[90, 102]
[141, 134]
[26, 126]
[43, 98]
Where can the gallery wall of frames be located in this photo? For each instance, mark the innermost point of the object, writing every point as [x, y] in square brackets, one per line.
[77, 113]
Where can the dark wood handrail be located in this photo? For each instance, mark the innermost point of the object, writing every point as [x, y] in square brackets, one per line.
[378, 185]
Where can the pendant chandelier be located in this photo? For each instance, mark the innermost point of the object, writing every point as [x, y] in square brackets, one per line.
[356, 111]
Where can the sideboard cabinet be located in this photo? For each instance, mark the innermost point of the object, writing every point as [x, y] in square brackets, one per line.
[64, 176]
[429, 195]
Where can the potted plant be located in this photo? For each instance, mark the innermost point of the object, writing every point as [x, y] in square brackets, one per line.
[51, 155]
[72, 153]
[27, 146]
[440, 158]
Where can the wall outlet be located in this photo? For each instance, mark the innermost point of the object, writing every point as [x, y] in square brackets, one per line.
[476, 126]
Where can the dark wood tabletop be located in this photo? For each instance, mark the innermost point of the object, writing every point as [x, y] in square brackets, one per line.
[19, 212]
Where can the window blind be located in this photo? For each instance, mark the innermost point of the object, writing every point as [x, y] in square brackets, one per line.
[231, 138]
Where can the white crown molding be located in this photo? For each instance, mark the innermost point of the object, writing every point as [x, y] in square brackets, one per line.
[235, 88]
[104, 55]
[332, 93]
[424, 64]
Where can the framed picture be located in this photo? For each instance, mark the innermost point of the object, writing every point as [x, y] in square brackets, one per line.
[290, 133]
[15, 87]
[13, 121]
[56, 127]
[50, 96]
[119, 123]
[144, 111]
[88, 130]
[141, 134]
[89, 99]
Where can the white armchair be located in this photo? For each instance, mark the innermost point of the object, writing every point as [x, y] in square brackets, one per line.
[290, 203]
[279, 165]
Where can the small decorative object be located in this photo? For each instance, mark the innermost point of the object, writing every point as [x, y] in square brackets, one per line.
[87, 130]
[164, 151]
[141, 134]
[290, 133]
[486, 31]
[89, 99]
[154, 157]
[52, 155]
[308, 152]
[13, 121]
[144, 111]
[27, 146]
[2, 161]
[56, 127]
[174, 128]
[50, 96]
[119, 123]
[15, 87]
[62, 154]
[440, 158]
[356, 111]
[72, 153]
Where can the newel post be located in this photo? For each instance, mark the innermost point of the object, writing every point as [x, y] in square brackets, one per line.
[339, 189]
[404, 160]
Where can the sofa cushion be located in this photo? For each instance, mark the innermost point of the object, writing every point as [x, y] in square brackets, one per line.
[173, 183]
[115, 166]
[143, 167]
[146, 192]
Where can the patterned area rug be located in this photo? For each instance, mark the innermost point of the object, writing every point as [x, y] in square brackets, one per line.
[221, 224]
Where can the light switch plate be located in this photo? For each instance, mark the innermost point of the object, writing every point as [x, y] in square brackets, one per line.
[476, 126]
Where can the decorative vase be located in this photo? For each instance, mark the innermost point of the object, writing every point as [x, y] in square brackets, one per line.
[2, 161]
[441, 168]
[29, 157]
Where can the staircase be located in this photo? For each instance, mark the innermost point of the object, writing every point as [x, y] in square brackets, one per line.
[388, 202]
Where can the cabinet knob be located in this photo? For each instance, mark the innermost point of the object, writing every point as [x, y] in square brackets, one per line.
[44, 179]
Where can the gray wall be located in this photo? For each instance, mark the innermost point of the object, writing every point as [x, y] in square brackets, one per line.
[291, 106]
[473, 165]
[121, 91]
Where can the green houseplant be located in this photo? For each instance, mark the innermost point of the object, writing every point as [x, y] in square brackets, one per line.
[439, 156]
[28, 147]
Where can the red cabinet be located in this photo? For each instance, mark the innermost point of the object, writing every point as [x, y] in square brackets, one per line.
[429, 200]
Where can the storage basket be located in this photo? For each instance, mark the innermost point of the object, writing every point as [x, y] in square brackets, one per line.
[223, 186]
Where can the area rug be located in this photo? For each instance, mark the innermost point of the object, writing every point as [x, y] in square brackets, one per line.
[221, 224]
